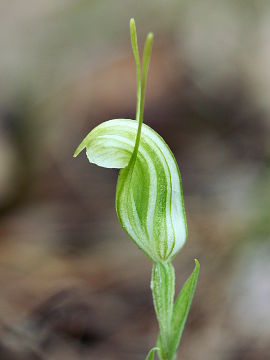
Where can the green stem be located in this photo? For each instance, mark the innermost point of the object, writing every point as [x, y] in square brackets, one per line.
[163, 287]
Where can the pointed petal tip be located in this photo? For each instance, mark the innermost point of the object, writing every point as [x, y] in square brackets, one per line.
[76, 153]
[79, 149]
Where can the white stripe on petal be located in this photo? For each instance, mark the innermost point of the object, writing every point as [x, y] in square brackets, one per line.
[111, 145]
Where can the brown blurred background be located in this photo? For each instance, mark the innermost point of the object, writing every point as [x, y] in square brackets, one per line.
[73, 286]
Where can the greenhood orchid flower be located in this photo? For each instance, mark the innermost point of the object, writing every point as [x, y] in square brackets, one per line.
[149, 203]
[149, 200]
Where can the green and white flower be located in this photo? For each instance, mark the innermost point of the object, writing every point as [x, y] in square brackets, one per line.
[149, 204]
[149, 199]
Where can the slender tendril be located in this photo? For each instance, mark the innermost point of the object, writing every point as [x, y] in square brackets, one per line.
[146, 60]
[134, 44]
[141, 82]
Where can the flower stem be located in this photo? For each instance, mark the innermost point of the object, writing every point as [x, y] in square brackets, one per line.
[163, 287]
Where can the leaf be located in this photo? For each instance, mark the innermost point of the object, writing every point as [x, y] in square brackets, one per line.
[181, 309]
[162, 285]
[151, 354]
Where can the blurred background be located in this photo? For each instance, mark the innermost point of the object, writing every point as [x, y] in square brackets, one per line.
[73, 286]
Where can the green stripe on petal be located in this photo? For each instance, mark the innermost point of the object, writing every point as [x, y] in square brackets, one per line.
[149, 200]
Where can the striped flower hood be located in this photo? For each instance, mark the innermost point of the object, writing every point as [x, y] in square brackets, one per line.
[149, 201]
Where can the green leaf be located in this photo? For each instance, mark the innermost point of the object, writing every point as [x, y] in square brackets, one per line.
[149, 201]
[151, 354]
[162, 285]
[181, 310]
